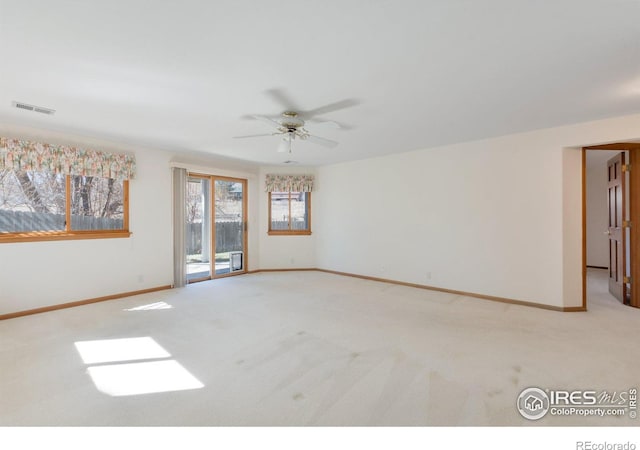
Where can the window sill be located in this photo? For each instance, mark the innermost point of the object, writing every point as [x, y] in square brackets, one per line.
[62, 235]
[289, 232]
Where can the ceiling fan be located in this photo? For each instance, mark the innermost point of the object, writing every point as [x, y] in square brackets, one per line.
[290, 125]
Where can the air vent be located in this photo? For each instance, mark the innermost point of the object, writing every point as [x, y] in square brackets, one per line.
[290, 162]
[23, 106]
[39, 109]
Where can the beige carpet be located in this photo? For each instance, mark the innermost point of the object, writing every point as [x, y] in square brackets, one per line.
[309, 348]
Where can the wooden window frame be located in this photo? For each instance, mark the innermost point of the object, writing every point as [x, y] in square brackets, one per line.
[291, 232]
[68, 233]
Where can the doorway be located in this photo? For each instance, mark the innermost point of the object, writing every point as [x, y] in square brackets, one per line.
[609, 206]
[216, 228]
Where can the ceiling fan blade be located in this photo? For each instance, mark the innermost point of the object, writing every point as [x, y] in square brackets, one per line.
[252, 136]
[267, 120]
[325, 123]
[279, 96]
[321, 141]
[331, 107]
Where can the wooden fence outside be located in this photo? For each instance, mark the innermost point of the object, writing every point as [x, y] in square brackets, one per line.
[228, 234]
[24, 221]
[228, 237]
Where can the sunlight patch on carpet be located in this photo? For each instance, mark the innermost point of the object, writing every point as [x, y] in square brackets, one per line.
[143, 378]
[113, 373]
[151, 306]
[118, 350]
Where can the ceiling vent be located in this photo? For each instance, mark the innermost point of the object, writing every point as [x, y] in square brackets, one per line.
[38, 109]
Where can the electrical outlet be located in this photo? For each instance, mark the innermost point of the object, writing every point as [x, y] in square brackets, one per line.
[427, 276]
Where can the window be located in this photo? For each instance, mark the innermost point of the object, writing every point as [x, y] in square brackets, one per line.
[96, 203]
[289, 203]
[53, 192]
[31, 201]
[41, 205]
[289, 213]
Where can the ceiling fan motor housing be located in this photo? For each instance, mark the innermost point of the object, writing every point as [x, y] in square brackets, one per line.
[291, 121]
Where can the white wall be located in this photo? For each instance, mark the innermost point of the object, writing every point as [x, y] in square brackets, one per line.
[286, 252]
[597, 210]
[455, 217]
[498, 217]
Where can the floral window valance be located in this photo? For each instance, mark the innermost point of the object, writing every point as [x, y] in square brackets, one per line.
[289, 183]
[16, 154]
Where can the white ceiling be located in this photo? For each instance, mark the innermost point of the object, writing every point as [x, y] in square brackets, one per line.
[183, 75]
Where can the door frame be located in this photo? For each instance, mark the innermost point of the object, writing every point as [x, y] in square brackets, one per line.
[634, 215]
[212, 220]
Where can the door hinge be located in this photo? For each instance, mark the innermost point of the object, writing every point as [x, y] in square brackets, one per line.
[626, 279]
[626, 167]
[626, 224]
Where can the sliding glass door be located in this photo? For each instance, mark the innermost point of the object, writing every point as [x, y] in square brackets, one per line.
[216, 227]
[230, 236]
[198, 230]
